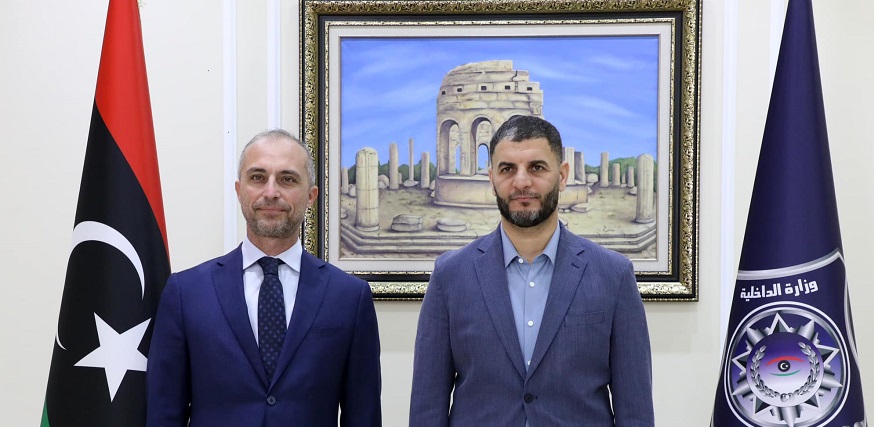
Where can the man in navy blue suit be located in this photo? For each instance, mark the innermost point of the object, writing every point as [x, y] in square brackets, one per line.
[531, 325]
[266, 335]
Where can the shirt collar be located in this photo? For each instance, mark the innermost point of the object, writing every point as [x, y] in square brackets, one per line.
[510, 252]
[291, 256]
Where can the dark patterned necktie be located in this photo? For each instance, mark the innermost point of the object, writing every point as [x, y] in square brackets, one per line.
[271, 314]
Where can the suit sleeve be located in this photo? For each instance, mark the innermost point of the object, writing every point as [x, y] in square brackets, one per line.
[433, 368]
[361, 404]
[630, 357]
[168, 386]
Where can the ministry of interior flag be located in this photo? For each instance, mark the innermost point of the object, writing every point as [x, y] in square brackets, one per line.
[790, 355]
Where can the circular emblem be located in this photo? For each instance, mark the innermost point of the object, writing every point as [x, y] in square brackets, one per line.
[787, 367]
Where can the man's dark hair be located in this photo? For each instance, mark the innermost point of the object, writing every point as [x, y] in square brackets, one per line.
[521, 128]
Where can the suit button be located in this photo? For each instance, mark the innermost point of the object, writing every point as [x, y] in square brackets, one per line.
[271, 400]
[529, 397]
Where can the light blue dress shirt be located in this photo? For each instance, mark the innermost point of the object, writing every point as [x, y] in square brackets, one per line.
[529, 285]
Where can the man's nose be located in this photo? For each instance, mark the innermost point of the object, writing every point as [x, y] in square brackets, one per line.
[522, 180]
[271, 190]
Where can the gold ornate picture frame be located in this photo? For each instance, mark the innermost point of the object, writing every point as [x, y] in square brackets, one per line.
[400, 97]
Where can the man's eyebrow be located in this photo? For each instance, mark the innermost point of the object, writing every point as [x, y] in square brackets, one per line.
[536, 162]
[290, 172]
[256, 169]
[502, 164]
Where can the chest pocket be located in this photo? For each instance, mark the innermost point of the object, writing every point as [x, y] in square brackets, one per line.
[583, 318]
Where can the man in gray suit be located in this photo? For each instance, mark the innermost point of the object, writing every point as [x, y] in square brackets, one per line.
[531, 325]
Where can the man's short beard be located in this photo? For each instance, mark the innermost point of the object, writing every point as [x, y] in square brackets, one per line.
[281, 230]
[526, 219]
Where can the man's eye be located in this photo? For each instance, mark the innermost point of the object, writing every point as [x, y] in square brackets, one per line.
[289, 180]
[538, 168]
[256, 177]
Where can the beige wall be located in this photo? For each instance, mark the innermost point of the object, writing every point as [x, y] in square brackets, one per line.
[49, 53]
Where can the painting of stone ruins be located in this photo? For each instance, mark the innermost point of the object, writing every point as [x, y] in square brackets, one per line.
[422, 203]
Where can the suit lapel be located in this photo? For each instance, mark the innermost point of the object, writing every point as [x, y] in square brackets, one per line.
[310, 294]
[228, 282]
[566, 278]
[492, 277]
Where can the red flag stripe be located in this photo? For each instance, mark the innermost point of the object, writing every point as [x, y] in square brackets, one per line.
[122, 97]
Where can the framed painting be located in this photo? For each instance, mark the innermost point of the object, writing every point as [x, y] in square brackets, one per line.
[400, 99]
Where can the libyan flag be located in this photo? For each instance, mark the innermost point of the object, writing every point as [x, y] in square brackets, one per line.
[119, 259]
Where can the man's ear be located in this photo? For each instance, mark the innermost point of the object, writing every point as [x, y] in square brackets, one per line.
[563, 172]
[314, 192]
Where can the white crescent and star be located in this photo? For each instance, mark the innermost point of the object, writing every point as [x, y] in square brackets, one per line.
[87, 231]
[117, 352]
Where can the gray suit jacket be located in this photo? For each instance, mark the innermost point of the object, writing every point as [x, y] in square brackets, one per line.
[593, 344]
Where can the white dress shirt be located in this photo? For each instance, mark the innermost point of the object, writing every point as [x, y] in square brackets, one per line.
[289, 275]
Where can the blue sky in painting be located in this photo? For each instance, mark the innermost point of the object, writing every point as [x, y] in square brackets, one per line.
[600, 92]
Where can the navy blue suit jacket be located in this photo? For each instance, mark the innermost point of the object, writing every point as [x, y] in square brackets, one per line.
[204, 362]
[593, 344]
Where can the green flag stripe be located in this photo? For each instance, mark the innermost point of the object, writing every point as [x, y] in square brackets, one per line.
[45, 416]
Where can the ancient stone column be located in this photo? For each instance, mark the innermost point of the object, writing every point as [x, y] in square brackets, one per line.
[617, 181]
[412, 169]
[367, 202]
[425, 170]
[443, 150]
[630, 180]
[447, 152]
[605, 161]
[393, 178]
[466, 168]
[344, 180]
[579, 171]
[571, 161]
[645, 208]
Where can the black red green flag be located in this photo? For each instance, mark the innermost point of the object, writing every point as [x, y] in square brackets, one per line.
[119, 259]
